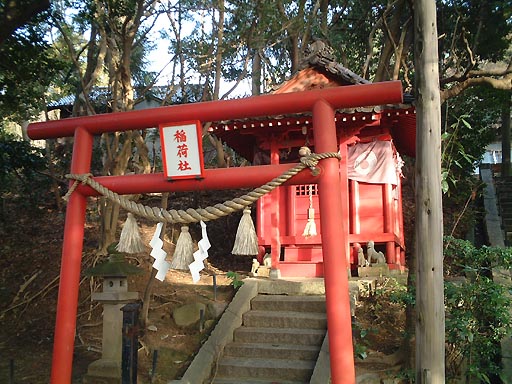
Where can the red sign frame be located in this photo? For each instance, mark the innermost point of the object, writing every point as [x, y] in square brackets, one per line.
[182, 150]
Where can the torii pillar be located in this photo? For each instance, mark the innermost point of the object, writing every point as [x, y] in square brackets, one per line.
[334, 250]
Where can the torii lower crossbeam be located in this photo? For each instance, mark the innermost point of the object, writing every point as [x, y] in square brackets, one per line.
[321, 103]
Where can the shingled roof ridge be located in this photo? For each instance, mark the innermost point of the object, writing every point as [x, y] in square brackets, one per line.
[321, 56]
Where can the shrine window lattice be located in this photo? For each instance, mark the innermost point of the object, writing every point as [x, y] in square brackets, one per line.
[305, 190]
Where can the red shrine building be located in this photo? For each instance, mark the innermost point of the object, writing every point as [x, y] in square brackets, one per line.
[371, 141]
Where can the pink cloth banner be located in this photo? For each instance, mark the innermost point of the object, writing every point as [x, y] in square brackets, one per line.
[372, 162]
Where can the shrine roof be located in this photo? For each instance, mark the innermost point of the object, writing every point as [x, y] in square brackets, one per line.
[319, 70]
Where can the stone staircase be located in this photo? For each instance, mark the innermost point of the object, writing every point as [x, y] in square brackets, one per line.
[278, 342]
[273, 331]
[504, 200]
[497, 195]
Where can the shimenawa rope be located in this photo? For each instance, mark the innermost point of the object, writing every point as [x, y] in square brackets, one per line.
[202, 214]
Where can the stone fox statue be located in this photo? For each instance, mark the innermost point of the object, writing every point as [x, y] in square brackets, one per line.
[374, 257]
[361, 260]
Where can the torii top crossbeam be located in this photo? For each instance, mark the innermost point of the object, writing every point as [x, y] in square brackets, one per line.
[321, 103]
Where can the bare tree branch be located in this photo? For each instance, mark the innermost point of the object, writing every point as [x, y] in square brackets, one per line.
[491, 72]
[505, 84]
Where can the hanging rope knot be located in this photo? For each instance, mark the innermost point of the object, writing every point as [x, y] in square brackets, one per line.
[79, 177]
[311, 160]
[83, 178]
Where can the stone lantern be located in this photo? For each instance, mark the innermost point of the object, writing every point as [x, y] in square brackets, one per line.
[115, 294]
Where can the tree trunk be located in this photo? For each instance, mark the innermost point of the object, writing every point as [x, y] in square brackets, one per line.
[218, 56]
[430, 320]
[256, 73]
[294, 52]
[324, 14]
[296, 26]
[120, 33]
[505, 138]
[392, 35]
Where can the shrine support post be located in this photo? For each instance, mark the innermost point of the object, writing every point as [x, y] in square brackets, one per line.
[334, 240]
[67, 304]
[275, 219]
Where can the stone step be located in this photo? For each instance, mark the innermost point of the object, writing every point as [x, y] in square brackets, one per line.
[504, 197]
[279, 336]
[296, 303]
[285, 319]
[272, 351]
[275, 369]
[506, 213]
[503, 186]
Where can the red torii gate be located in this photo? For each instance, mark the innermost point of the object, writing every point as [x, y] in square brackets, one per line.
[322, 104]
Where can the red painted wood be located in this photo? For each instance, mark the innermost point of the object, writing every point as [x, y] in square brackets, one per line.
[369, 218]
[334, 237]
[294, 269]
[388, 92]
[400, 220]
[344, 192]
[355, 223]
[377, 237]
[275, 214]
[67, 303]
[214, 179]
[387, 200]
[290, 213]
[311, 254]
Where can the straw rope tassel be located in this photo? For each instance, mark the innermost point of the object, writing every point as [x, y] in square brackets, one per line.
[246, 240]
[310, 229]
[184, 252]
[130, 240]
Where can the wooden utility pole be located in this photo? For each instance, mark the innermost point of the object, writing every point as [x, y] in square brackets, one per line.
[430, 349]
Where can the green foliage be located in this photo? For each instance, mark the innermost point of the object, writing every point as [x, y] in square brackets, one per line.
[462, 258]
[236, 282]
[21, 165]
[361, 343]
[401, 294]
[471, 122]
[27, 68]
[406, 375]
[352, 24]
[474, 27]
[477, 309]
[455, 158]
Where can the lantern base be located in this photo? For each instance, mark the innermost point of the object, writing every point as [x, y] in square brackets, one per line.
[275, 273]
[103, 371]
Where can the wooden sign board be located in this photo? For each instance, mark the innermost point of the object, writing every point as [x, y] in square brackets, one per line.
[182, 150]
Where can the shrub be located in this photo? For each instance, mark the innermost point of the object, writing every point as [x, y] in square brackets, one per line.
[477, 310]
[21, 167]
